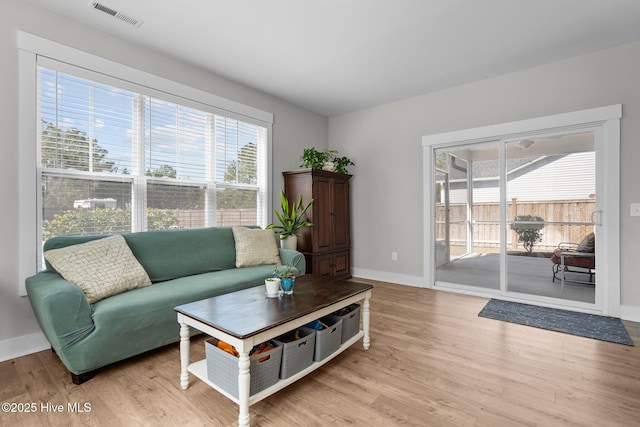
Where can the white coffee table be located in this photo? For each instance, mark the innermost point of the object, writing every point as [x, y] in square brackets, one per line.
[247, 318]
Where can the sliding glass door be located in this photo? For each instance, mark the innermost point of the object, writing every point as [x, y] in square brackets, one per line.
[527, 211]
[509, 217]
[467, 207]
[551, 206]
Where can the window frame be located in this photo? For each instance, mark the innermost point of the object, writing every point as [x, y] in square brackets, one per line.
[31, 49]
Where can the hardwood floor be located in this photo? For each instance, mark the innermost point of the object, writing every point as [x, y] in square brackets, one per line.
[432, 362]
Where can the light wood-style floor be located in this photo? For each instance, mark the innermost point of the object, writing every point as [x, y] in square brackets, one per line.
[432, 362]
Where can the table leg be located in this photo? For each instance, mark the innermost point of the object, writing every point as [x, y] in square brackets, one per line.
[562, 270]
[365, 322]
[185, 345]
[244, 381]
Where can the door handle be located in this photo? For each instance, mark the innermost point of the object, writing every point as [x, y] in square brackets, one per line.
[596, 217]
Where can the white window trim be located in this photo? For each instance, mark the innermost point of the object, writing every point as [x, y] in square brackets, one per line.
[29, 46]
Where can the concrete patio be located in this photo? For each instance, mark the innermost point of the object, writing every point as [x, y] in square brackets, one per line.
[530, 275]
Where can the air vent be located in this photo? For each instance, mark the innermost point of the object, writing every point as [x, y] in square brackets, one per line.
[114, 13]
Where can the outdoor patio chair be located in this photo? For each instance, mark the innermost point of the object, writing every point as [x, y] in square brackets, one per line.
[575, 258]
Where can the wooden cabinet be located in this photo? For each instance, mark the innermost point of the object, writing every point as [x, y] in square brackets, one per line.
[327, 245]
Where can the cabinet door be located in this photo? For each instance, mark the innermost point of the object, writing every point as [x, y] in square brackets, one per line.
[322, 265]
[323, 214]
[341, 231]
[337, 264]
[341, 264]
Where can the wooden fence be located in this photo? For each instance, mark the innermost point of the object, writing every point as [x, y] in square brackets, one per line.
[488, 235]
[224, 217]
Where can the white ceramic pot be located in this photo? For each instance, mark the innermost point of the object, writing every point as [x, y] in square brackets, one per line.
[273, 286]
[329, 166]
[291, 242]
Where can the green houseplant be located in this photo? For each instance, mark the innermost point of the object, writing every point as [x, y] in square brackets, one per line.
[341, 163]
[287, 278]
[292, 219]
[327, 160]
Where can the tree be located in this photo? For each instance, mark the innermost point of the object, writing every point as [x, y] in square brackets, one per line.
[71, 149]
[528, 234]
[241, 171]
[163, 171]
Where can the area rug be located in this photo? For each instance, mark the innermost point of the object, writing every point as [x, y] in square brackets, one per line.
[582, 324]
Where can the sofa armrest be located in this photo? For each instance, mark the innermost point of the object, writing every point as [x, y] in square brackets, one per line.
[61, 309]
[294, 259]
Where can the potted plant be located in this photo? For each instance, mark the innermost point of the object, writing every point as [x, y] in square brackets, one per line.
[341, 163]
[327, 160]
[292, 219]
[287, 279]
[272, 285]
[314, 159]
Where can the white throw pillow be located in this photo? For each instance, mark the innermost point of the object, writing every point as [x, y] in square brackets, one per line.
[255, 247]
[100, 268]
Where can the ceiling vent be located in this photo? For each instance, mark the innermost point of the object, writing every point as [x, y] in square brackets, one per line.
[114, 13]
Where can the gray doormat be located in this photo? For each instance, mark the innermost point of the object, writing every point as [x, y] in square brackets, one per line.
[582, 324]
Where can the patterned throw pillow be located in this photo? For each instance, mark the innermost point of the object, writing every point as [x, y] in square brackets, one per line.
[255, 247]
[100, 268]
[588, 244]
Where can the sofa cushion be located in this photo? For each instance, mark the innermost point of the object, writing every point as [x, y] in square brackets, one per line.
[100, 268]
[255, 247]
[169, 254]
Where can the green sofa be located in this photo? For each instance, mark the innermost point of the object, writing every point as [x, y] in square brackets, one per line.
[184, 265]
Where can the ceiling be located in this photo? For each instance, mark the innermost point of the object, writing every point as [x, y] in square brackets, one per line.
[338, 56]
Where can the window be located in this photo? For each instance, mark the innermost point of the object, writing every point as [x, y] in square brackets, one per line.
[116, 158]
[102, 149]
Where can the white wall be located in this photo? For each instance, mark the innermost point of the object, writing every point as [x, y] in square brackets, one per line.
[385, 144]
[293, 129]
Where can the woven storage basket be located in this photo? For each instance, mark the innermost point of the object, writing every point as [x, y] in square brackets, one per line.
[297, 355]
[329, 339]
[222, 368]
[350, 321]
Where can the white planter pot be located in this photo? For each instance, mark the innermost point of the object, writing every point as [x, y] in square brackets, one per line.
[272, 285]
[290, 242]
[329, 166]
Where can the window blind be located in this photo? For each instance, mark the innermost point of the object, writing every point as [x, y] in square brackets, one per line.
[113, 159]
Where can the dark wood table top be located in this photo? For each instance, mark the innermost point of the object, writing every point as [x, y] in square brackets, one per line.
[248, 312]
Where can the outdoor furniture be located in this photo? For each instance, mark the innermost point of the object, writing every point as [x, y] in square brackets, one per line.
[575, 258]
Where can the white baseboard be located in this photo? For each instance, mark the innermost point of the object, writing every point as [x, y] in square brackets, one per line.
[630, 313]
[21, 346]
[383, 276]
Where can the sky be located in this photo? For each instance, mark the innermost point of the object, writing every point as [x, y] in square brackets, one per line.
[174, 135]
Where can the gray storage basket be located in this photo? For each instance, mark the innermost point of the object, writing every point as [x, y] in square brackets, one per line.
[222, 369]
[297, 355]
[329, 339]
[350, 321]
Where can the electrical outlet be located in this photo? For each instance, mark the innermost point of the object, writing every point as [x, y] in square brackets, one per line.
[635, 209]
[394, 256]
